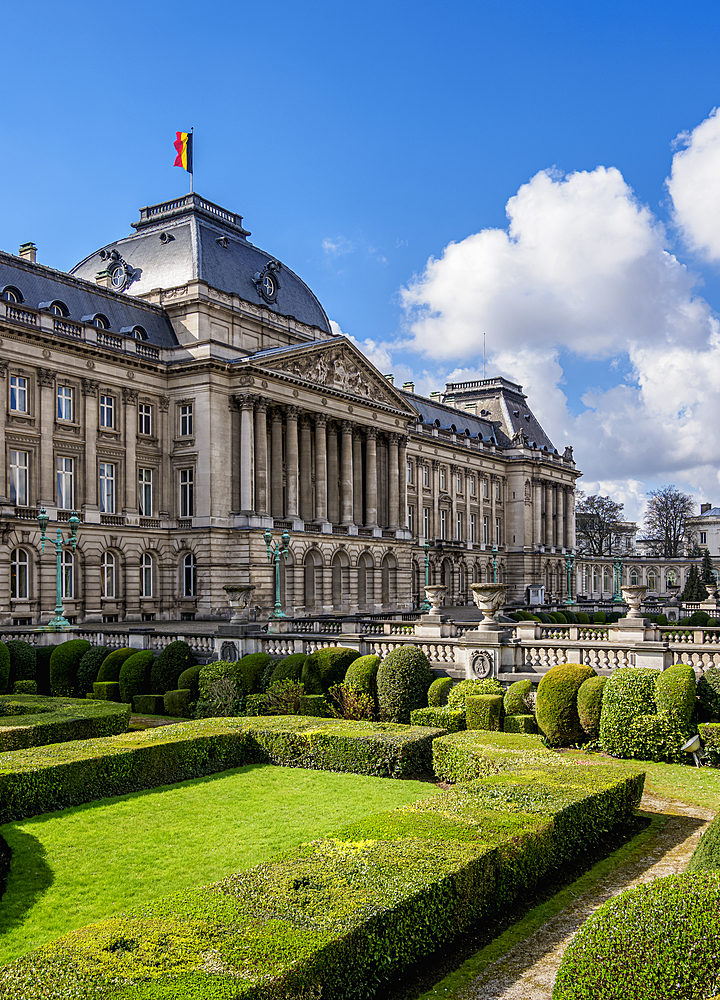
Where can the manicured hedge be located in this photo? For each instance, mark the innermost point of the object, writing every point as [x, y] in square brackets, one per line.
[89, 668]
[403, 680]
[675, 692]
[149, 704]
[484, 711]
[107, 691]
[589, 705]
[37, 780]
[520, 724]
[438, 692]
[630, 726]
[135, 675]
[178, 704]
[473, 754]
[710, 735]
[362, 674]
[708, 691]
[486, 685]
[36, 720]
[190, 679]
[25, 687]
[444, 717]
[556, 708]
[64, 662]
[515, 701]
[110, 666]
[325, 668]
[657, 941]
[4, 667]
[246, 672]
[340, 917]
[22, 660]
[172, 660]
[283, 670]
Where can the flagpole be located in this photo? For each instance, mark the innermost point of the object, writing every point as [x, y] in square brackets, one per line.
[192, 172]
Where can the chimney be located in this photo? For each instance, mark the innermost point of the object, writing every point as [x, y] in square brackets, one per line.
[705, 507]
[435, 396]
[28, 251]
[104, 279]
[409, 386]
[391, 379]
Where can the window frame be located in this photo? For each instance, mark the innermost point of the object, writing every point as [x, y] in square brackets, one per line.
[107, 492]
[68, 475]
[107, 406]
[16, 473]
[189, 571]
[19, 393]
[186, 417]
[145, 419]
[147, 574]
[65, 403]
[108, 572]
[67, 575]
[186, 482]
[145, 487]
[17, 564]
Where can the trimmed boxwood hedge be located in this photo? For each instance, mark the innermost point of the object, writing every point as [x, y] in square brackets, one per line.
[247, 673]
[519, 724]
[710, 734]
[515, 701]
[708, 691]
[438, 692]
[343, 915]
[36, 720]
[675, 692]
[403, 680]
[4, 667]
[22, 660]
[327, 667]
[706, 856]
[190, 680]
[135, 675]
[178, 704]
[473, 754]
[107, 691]
[589, 705]
[89, 668]
[451, 719]
[288, 669]
[37, 780]
[64, 662]
[486, 685]
[110, 666]
[654, 941]
[556, 707]
[362, 674]
[484, 711]
[170, 663]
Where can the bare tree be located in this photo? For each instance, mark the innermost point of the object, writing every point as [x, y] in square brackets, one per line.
[667, 520]
[598, 520]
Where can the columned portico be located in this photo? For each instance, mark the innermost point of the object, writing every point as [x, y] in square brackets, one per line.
[321, 477]
[371, 498]
[346, 473]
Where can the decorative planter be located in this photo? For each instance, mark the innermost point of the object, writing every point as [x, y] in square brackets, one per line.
[435, 596]
[633, 597]
[239, 598]
[489, 597]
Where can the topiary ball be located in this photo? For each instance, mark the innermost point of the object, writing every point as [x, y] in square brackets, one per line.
[362, 674]
[4, 667]
[556, 708]
[189, 681]
[288, 669]
[485, 685]
[173, 659]
[439, 691]
[655, 941]
[135, 675]
[675, 692]
[22, 660]
[589, 705]
[64, 663]
[250, 670]
[325, 668]
[515, 701]
[599, 618]
[89, 668]
[110, 666]
[403, 679]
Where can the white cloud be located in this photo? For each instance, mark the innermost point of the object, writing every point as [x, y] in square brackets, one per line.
[337, 246]
[694, 186]
[375, 352]
[583, 267]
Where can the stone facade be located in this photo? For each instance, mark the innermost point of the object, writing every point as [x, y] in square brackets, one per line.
[183, 391]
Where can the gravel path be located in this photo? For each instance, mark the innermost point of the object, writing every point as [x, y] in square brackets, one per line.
[527, 972]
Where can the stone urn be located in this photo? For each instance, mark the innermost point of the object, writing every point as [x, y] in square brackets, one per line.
[239, 597]
[633, 597]
[435, 596]
[489, 597]
[711, 591]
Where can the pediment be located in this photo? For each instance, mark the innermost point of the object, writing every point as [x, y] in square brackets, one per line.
[339, 366]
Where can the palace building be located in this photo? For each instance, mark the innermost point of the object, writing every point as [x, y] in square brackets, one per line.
[182, 390]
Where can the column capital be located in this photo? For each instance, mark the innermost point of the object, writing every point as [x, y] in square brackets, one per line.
[261, 404]
[346, 426]
[46, 376]
[394, 437]
[164, 404]
[306, 420]
[292, 412]
[244, 401]
[3, 368]
[129, 395]
[321, 419]
[276, 414]
[357, 432]
[371, 433]
[90, 386]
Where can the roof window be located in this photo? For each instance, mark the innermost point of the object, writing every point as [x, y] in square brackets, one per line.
[139, 333]
[57, 308]
[12, 294]
[100, 321]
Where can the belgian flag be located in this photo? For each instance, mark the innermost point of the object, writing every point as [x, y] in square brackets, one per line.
[184, 146]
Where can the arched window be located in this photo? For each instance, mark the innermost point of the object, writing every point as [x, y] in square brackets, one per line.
[389, 579]
[139, 333]
[340, 578]
[670, 578]
[12, 294]
[189, 575]
[595, 580]
[634, 578]
[58, 308]
[652, 580]
[101, 322]
[312, 579]
[365, 580]
[146, 575]
[606, 580]
[67, 575]
[107, 575]
[19, 575]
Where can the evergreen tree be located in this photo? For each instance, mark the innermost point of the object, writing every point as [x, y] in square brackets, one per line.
[707, 573]
[694, 588]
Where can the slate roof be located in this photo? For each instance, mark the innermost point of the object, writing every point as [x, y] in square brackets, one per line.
[713, 512]
[447, 418]
[39, 284]
[208, 244]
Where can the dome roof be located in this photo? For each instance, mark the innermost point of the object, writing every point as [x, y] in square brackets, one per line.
[192, 239]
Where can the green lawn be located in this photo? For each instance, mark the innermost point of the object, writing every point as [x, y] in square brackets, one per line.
[75, 866]
[699, 786]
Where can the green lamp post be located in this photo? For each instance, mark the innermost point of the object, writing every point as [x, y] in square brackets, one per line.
[58, 623]
[425, 606]
[569, 563]
[274, 551]
[618, 568]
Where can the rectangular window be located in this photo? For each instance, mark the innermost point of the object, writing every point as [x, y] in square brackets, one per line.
[18, 394]
[411, 520]
[64, 402]
[186, 420]
[145, 492]
[65, 478]
[486, 530]
[187, 493]
[146, 575]
[19, 461]
[497, 491]
[497, 531]
[703, 537]
[485, 487]
[426, 522]
[459, 527]
[107, 488]
[144, 418]
[443, 524]
[426, 476]
[107, 411]
[473, 527]
[459, 483]
[442, 479]
[409, 472]
[472, 486]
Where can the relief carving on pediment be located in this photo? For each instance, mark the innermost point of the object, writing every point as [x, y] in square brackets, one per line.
[337, 369]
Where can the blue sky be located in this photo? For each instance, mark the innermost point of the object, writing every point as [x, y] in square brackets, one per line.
[358, 141]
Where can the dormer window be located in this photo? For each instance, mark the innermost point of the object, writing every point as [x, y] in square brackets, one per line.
[12, 294]
[58, 308]
[100, 321]
[139, 334]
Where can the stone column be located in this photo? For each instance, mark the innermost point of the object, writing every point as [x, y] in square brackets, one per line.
[261, 457]
[291, 461]
[435, 473]
[161, 502]
[333, 504]
[371, 478]
[561, 517]
[570, 519]
[306, 500]
[548, 514]
[537, 512]
[402, 483]
[90, 395]
[46, 385]
[357, 477]
[130, 397]
[247, 448]
[393, 480]
[276, 463]
[3, 413]
[321, 476]
[493, 508]
[346, 474]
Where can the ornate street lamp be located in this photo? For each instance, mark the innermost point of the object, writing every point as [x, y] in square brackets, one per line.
[274, 551]
[58, 623]
[569, 563]
[618, 567]
[425, 606]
